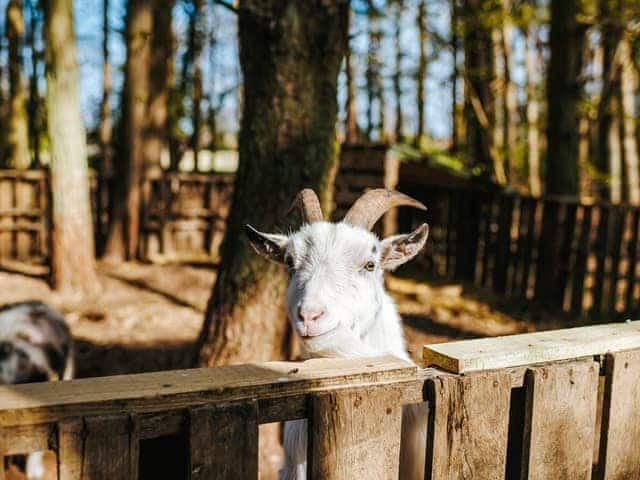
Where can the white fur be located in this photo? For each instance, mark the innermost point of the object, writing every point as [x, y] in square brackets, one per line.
[328, 274]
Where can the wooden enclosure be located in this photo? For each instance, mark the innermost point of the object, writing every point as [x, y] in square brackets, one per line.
[558, 404]
[583, 259]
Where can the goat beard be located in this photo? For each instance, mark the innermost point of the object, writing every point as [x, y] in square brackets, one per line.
[339, 343]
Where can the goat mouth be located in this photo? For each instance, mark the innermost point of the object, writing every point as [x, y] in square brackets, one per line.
[313, 337]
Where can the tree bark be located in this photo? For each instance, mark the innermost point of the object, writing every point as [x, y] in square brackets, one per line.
[533, 113]
[73, 254]
[421, 72]
[161, 57]
[35, 102]
[397, 77]
[628, 89]
[18, 134]
[352, 131]
[290, 54]
[564, 94]
[455, 33]
[105, 168]
[509, 100]
[196, 91]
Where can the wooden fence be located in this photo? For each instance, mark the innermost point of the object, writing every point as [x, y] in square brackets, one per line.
[559, 405]
[583, 259]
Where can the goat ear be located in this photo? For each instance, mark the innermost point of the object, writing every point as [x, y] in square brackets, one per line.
[399, 249]
[268, 245]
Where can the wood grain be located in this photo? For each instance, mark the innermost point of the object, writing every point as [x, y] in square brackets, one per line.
[560, 417]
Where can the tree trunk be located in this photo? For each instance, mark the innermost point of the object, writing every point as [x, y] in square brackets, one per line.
[629, 87]
[105, 169]
[136, 96]
[455, 133]
[479, 100]
[290, 56]
[159, 86]
[196, 90]
[73, 255]
[35, 103]
[564, 94]
[421, 72]
[17, 136]
[352, 132]
[533, 113]
[615, 151]
[397, 77]
[509, 100]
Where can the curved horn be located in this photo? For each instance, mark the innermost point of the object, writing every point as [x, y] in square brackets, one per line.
[366, 211]
[309, 205]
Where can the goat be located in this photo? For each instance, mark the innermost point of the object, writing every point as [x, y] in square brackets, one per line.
[337, 304]
[35, 346]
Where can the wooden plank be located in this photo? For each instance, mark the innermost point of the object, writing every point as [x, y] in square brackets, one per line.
[25, 438]
[580, 266]
[530, 348]
[98, 448]
[563, 270]
[488, 250]
[162, 391]
[355, 433]
[223, 442]
[560, 417]
[632, 258]
[503, 243]
[620, 439]
[548, 254]
[615, 251]
[601, 249]
[469, 426]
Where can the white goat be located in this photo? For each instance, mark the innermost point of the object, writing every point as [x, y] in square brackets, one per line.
[337, 304]
[35, 346]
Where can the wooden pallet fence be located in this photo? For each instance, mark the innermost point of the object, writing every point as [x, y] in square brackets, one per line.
[524, 406]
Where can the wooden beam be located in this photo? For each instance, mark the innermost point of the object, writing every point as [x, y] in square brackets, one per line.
[355, 433]
[526, 349]
[172, 390]
[468, 427]
[560, 418]
[620, 439]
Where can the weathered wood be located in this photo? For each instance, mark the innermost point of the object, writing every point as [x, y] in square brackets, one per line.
[468, 427]
[223, 442]
[620, 438]
[580, 265]
[632, 301]
[162, 391]
[96, 448]
[548, 254]
[563, 268]
[601, 249]
[529, 243]
[25, 438]
[560, 419]
[530, 348]
[615, 250]
[503, 243]
[355, 433]
[488, 250]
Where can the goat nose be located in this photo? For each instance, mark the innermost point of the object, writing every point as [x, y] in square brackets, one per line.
[310, 314]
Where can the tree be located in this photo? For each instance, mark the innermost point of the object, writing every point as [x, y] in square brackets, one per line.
[509, 99]
[196, 35]
[533, 112]
[104, 127]
[421, 71]
[17, 136]
[375, 92]
[73, 255]
[290, 55]
[35, 117]
[628, 89]
[352, 131]
[397, 77]
[564, 94]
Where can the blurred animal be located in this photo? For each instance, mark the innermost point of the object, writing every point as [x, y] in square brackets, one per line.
[35, 346]
[337, 304]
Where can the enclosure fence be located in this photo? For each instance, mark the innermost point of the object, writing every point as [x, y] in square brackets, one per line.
[560, 404]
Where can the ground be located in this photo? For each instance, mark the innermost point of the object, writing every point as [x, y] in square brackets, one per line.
[147, 317]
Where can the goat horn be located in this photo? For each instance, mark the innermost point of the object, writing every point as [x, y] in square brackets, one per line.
[309, 205]
[366, 211]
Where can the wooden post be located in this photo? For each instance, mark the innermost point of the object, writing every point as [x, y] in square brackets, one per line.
[223, 442]
[620, 437]
[355, 433]
[560, 418]
[469, 422]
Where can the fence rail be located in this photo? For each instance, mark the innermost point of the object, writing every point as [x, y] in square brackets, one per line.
[511, 407]
[583, 259]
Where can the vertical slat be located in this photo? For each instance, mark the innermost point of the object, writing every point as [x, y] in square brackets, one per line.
[98, 448]
[564, 263]
[632, 257]
[560, 418]
[223, 442]
[615, 249]
[620, 439]
[488, 250]
[529, 242]
[580, 268]
[355, 433]
[503, 243]
[548, 253]
[469, 426]
[601, 249]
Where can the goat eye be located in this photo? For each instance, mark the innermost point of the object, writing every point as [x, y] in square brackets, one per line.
[369, 266]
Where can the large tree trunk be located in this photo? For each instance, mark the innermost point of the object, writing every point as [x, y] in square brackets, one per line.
[421, 72]
[479, 100]
[17, 136]
[290, 56]
[564, 93]
[35, 102]
[509, 99]
[159, 87]
[73, 255]
[455, 33]
[397, 77]
[628, 88]
[105, 168]
[197, 21]
[352, 132]
[533, 113]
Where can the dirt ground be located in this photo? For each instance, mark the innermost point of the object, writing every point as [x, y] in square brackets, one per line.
[147, 317]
